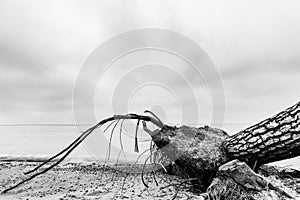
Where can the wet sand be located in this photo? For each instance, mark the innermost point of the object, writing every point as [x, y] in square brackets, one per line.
[90, 181]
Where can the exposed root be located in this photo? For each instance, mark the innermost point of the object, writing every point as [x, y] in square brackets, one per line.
[136, 147]
[130, 170]
[109, 144]
[120, 140]
[148, 111]
[122, 149]
[65, 152]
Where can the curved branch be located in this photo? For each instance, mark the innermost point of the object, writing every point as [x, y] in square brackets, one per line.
[155, 116]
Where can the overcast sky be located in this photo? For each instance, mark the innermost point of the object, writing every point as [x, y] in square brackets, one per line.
[254, 44]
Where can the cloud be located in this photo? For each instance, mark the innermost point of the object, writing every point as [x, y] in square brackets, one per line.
[42, 46]
[254, 44]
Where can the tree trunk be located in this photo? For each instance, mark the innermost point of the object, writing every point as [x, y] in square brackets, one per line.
[199, 152]
[276, 138]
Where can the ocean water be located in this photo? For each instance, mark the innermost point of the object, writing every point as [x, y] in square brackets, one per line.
[37, 140]
[45, 141]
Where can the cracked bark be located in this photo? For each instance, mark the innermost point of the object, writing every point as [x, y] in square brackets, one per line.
[274, 139]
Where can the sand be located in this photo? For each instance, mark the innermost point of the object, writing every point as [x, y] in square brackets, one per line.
[87, 181]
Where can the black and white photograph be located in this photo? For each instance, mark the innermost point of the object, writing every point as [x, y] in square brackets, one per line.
[149, 99]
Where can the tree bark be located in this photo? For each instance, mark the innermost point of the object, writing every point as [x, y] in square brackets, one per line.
[276, 138]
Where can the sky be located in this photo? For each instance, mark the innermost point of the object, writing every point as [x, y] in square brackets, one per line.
[254, 45]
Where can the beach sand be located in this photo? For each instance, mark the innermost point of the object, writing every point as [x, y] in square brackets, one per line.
[87, 181]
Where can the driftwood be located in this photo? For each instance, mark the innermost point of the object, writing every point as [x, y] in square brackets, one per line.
[199, 152]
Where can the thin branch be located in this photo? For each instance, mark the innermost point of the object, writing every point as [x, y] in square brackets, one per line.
[143, 181]
[127, 174]
[152, 161]
[111, 134]
[155, 116]
[78, 140]
[109, 125]
[48, 168]
[120, 138]
[136, 147]
[55, 156]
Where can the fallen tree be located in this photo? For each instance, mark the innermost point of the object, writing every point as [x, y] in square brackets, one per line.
[276, 138]
[199, 152]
